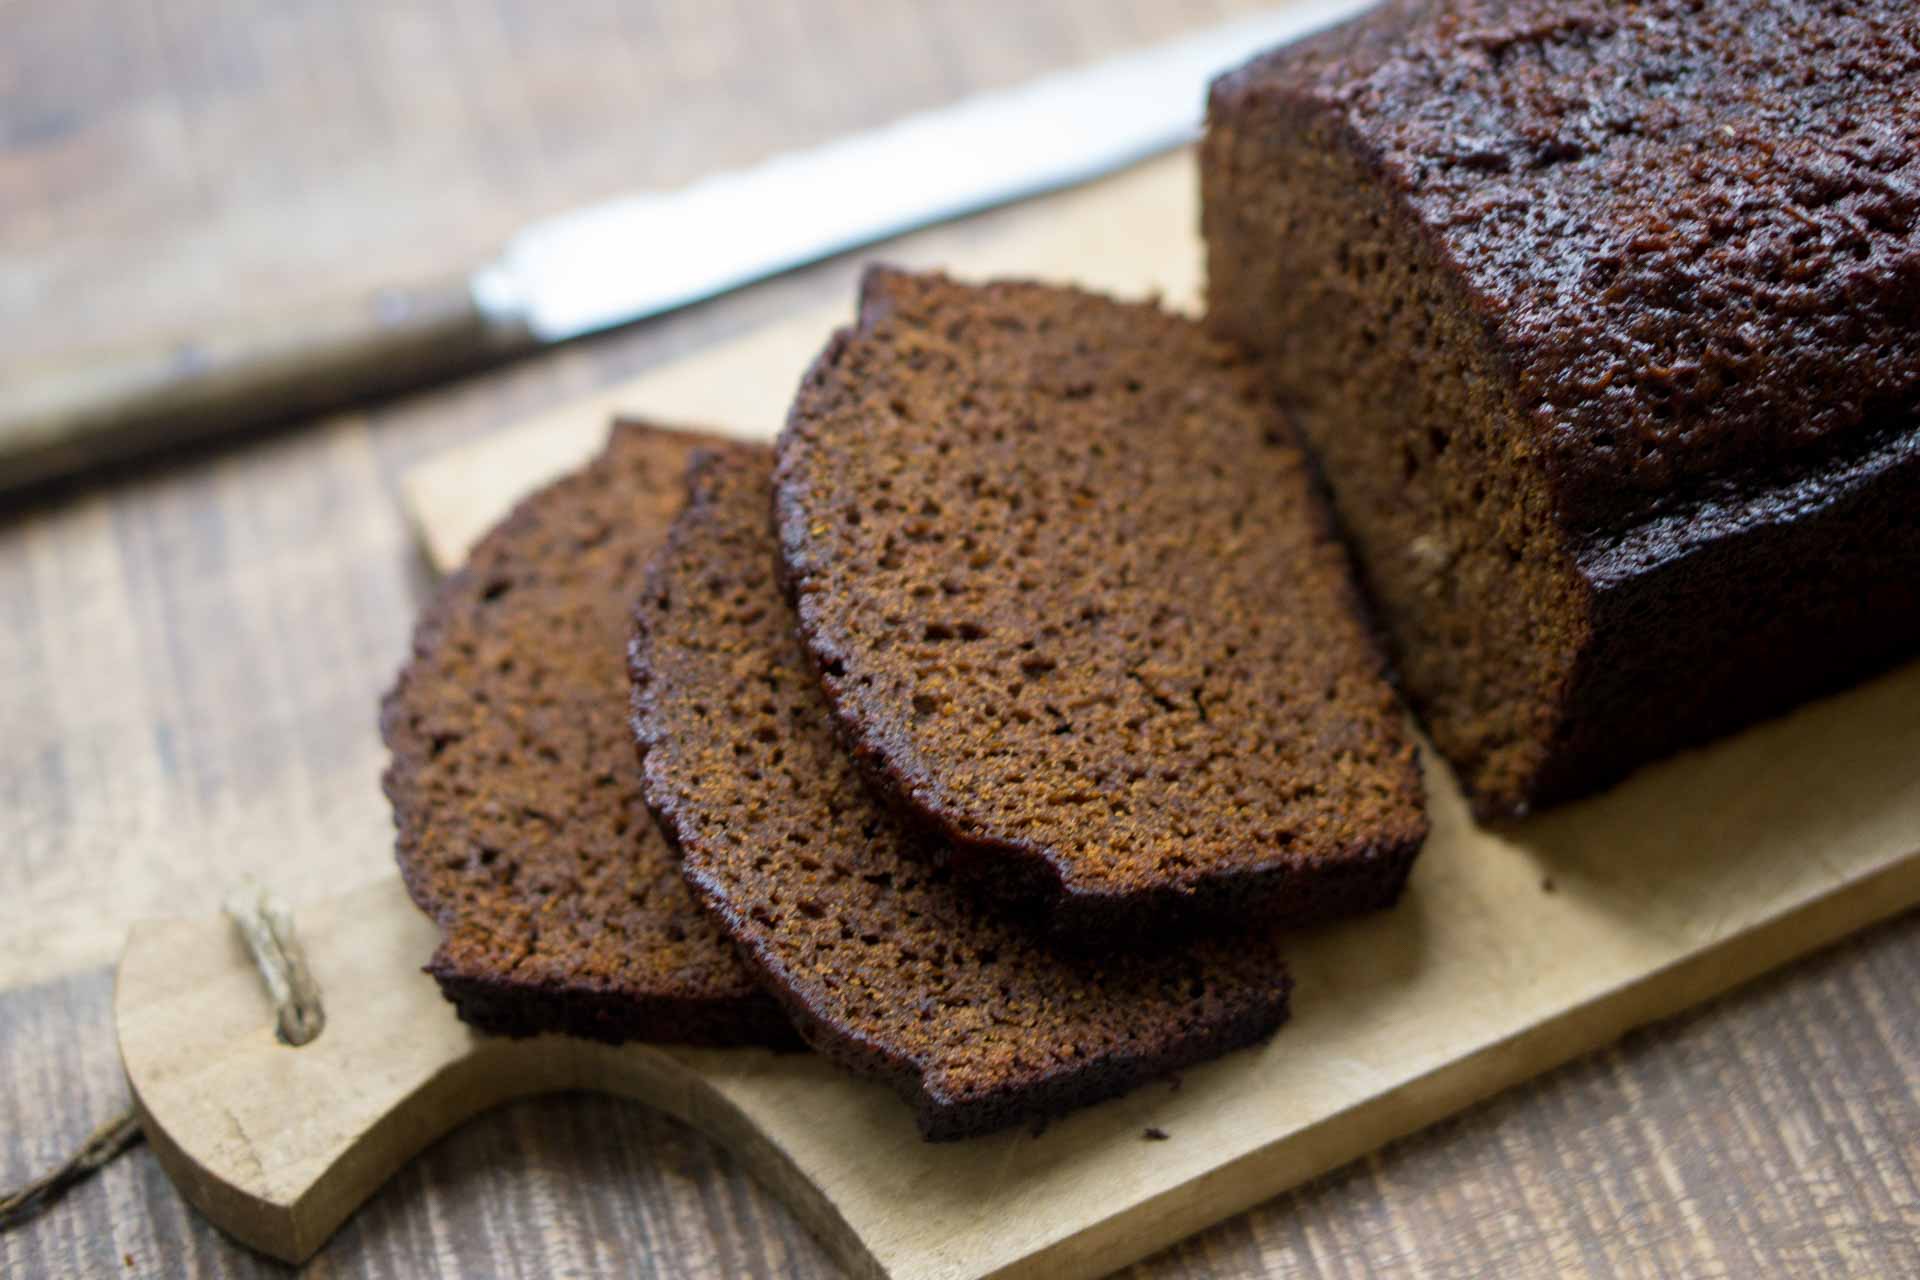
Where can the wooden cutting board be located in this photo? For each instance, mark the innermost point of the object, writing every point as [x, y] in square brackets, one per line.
[1514, 950]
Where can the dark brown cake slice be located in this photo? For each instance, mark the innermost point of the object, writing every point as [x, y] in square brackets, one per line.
[881, 962]
[1078, 606]
[515, 788]
[1604, 322]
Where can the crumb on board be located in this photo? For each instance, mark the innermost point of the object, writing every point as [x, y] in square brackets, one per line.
[1154, 1133]
[1547, 885]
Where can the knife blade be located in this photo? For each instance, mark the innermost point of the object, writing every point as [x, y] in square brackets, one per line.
[635, 256]
[610, 263]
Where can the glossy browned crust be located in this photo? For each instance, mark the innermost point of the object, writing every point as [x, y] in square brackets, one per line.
[884, 964]
[1604, 324]
[515, 789]
[1078, 609]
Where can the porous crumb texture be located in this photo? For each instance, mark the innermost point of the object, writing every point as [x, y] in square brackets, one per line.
[1603, 321]
[1078, 607]
[515, 786]
[882, 962]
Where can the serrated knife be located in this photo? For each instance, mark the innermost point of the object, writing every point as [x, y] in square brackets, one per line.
[635, 256]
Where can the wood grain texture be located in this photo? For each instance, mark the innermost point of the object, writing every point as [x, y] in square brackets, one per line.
[193, 650]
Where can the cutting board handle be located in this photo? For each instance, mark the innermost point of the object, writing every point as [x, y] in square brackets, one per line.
[277, 1145]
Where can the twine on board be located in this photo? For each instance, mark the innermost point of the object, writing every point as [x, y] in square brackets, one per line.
[267, 928]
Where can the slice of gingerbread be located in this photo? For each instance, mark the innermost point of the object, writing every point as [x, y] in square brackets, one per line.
[882, 962]
[1078, 606]
[515, 787]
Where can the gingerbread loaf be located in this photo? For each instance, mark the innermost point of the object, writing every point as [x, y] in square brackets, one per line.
[1603, 322]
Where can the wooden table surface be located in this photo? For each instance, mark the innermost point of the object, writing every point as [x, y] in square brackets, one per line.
[195, 647]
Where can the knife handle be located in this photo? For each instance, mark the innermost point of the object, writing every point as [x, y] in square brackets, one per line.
[115, 404]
